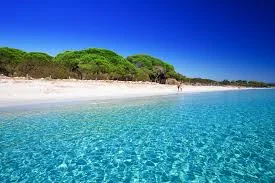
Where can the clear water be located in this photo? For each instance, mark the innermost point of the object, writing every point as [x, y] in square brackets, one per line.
[208, 137]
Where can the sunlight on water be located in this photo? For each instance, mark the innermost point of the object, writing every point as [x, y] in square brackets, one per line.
[211, 137]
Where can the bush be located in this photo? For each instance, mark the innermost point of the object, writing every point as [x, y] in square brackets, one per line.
[9, 59]
[43, 69]
[142, 75]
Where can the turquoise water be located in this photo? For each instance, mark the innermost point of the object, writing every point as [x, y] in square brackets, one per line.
[207, 137]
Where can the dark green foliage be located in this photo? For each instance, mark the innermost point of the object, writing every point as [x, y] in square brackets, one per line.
[240, 83]
[9, 59]
[201, 81]
[37, 56]
[94, 63]
[142, 74]
[43, 69]
[180, 77]
[271, 85]
[39, 65]
[245, 83]
[14, 62]
[225, 82]
[257, 84]
[155, 68]
[97, 63]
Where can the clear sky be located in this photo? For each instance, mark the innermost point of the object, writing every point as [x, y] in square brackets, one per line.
[216, 39]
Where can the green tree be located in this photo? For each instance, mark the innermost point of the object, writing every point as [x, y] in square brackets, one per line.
[9, 59]
[155, 66]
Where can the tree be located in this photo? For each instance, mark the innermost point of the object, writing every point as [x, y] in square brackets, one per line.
[9, 59]
[142, 75]
[225, 82]
[156, 67]
[95, 63]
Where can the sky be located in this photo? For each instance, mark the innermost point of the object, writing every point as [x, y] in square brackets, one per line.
[215, 39]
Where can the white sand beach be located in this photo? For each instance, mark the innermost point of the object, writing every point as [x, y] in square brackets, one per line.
[18, 91]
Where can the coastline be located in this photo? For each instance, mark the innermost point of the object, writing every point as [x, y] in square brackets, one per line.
[20, 91]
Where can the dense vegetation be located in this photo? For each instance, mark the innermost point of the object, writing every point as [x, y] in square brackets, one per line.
[153, 69]
[14, 62]
[94, 63]
[91, 63]
[97, 64]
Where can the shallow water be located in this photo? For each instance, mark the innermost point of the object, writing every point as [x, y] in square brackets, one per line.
[207, 137]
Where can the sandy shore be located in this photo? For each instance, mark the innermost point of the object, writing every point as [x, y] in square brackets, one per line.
[18, 91]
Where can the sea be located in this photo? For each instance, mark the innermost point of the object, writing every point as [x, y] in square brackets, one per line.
[223, 137]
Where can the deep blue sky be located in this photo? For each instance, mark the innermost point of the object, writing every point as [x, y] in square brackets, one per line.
[212, 39]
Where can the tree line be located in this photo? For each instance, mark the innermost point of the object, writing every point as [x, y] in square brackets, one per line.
[101, 64]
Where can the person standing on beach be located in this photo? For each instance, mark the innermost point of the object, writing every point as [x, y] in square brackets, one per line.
[179, 87]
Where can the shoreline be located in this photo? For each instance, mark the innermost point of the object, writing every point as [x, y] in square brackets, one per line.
[20, 91]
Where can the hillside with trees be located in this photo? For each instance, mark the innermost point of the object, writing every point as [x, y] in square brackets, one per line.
[101, 64]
